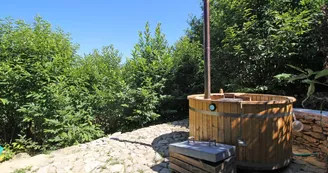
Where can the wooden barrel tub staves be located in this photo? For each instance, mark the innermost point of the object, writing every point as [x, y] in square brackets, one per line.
[263, 122]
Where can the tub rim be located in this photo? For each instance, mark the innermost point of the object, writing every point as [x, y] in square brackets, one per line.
[289, 99]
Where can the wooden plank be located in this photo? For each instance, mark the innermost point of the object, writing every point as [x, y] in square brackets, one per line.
[282, 132]
[275, 135]
[186, 166]
[256, 134]
[242, 150]
[227, 124]
[204, 123]
[197, 163]
[289, 132]
[209, 133]
[205, 166]
[248, 134]
[269, 137]
[196, 120]
[191, 118]
[235, 109]
[262, 135]
[221, 124]
[199, 120]
[230, 169]
[178, 168]
[214, 121]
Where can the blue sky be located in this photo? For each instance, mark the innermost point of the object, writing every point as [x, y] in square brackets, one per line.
[96, 23]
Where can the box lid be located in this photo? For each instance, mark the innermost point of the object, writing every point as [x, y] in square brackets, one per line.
[203, 151]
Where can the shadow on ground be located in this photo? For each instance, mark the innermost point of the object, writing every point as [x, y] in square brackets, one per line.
[161, 146]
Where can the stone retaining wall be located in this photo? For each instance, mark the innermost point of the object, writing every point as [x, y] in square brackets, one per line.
[315, 133]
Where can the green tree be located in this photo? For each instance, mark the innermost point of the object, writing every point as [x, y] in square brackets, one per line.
[188, 73]
[101, 74]
[30, 57]
[40, 101]
[253, 40]
[147, 75]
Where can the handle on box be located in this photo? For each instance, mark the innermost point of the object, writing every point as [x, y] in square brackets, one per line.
[191, 138]
[210, 141]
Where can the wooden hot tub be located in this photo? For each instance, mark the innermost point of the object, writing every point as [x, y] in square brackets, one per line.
[263, 122]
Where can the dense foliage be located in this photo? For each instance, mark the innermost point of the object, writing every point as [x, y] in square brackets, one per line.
[254, 40]
[51, 97]
[39, 99]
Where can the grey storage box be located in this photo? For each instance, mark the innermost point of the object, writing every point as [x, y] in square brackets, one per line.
[202, 156]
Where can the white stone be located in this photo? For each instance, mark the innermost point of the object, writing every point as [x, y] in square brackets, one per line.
[117, 168]
[52, 169]
[21, 156]
[158, 157]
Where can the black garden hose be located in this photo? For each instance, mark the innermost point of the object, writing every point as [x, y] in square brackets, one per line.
[305, 154]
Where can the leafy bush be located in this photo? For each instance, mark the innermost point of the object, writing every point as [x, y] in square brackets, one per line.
[38, 99]
[251, 41]
[188, 74]
[100, 75]
[50, 97]
[7, 154]
[311, 79]
[146, 75]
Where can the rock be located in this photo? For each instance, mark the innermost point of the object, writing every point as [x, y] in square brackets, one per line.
[317, 129]
[164, 164]
[170, 140]
[306, 121]
[324, 143]
[307, 127]
[91, 165]
[325, 119]
[316, 135]
[157, 168]
[52, 169]
[83, 146]
[300, 134]
[299, 162]
[324, 148]
[117, 168]
[166, 153]
[295, 167]
[313, 161]
[163, 142]
[22, 156]
[78, 166]
[150, 156]
[34, 169]
[130, 169]
[42, 170]
[158, 157]
[165, 170]
[177, 135]
[116, 134]
[309, 138]
[140, 168]
[311, 145]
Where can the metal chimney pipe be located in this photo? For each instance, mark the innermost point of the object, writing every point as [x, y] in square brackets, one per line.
[207, 50]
